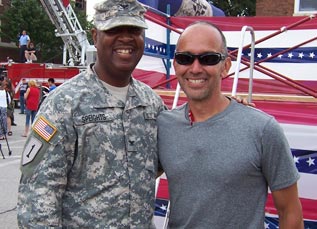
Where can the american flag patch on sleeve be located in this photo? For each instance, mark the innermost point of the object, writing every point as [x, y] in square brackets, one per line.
[43, 128]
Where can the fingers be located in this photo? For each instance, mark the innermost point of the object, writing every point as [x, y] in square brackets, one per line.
[244, 101]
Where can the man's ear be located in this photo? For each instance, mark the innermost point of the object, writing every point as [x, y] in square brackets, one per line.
[226, 67]
[173, 63]
[94, 35]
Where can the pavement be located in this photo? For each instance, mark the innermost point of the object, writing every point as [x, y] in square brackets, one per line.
[10, 173]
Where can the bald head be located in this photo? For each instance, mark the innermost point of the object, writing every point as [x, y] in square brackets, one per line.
[203, 31]
[201, 62]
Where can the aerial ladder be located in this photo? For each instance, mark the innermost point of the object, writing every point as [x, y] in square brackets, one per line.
[69, 29]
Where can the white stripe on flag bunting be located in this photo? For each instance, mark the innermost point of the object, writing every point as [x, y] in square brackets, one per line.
[301, 136]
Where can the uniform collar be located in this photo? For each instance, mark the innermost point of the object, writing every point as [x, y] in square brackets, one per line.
[134, 98]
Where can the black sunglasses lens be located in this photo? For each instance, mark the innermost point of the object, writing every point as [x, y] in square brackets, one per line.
[209, 59]
[204, 59]
[184, 59]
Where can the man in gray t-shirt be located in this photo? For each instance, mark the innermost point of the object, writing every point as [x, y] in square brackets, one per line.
[220, 157]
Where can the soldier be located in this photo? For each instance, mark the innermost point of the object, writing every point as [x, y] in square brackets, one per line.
[90, 160]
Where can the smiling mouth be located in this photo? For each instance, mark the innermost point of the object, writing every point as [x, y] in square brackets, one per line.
[124, 51]
[196, 81]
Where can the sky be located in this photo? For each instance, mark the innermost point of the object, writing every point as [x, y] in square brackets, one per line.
[89, 8]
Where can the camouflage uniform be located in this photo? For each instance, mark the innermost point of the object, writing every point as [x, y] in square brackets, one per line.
[91, 160]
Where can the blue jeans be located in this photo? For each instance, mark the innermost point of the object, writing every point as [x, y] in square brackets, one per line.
[22, 104]
[29, 115]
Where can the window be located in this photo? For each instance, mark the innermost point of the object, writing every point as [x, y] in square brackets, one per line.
[79, 4]
[305, 7]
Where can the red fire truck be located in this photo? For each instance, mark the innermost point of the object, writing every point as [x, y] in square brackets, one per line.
[38, 72]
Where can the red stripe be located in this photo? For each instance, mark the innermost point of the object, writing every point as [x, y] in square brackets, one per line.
[162, 191]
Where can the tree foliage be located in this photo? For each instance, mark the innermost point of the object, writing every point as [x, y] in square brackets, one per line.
[236, 7]
[86, 25]
[29, 15]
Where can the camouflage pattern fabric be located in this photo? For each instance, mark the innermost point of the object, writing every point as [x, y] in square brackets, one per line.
[97, 168]
[194, 8]
[114, 13]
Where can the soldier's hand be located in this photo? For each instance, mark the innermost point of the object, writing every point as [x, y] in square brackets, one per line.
[244, 101]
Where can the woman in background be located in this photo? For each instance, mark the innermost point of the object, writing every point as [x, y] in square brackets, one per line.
[8, 87]
[30, 53]
[32, 98]
[3, 112]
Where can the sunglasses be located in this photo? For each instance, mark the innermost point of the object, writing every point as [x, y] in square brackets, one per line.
[209, 58]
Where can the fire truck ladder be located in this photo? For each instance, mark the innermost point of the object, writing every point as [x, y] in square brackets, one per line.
[69, 29]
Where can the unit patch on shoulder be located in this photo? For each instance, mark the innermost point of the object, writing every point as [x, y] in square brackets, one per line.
[30, 150]
[44, 128]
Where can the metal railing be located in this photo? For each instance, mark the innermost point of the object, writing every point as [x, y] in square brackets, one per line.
[238, 62]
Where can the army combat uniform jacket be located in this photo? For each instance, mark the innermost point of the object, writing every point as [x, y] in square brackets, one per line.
[91, 160]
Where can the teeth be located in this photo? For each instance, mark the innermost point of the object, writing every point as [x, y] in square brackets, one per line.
[196, 81]
[124, 51]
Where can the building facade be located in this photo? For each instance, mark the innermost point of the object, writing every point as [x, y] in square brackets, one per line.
[285, 7]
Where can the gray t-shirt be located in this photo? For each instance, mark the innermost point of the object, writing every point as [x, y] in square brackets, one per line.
[219, 170]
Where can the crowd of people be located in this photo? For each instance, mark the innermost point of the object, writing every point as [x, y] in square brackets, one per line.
[100, 140]
[30, 98]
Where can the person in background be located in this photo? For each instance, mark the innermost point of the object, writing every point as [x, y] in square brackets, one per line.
[32, 99]
[3, 112]
[24, 41]
[30, 53]
[90, 160]
[7, 85]
[51, 84]
[23, 88]
[220, 157]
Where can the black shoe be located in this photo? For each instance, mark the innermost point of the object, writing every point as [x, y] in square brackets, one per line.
[21, 113]
[13, 124]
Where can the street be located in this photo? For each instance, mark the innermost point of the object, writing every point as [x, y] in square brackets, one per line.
[10, 173]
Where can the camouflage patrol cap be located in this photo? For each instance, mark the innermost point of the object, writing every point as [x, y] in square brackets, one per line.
[114, 13]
